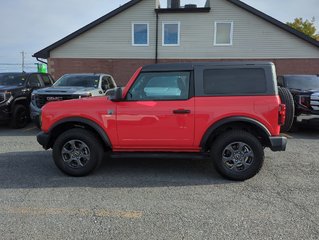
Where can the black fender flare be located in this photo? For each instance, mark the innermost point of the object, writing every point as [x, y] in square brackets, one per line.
[228, 120]
[18, 99]
[99, 130]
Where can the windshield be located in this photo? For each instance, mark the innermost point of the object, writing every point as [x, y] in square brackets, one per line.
[12, 79]
[302, 82]
[77, 81]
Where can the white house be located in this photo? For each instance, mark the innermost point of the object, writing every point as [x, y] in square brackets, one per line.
[140, 32]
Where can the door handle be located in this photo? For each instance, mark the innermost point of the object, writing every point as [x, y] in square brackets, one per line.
[181, 111]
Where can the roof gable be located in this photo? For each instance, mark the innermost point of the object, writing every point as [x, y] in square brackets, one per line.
[275, 22]
[45, 53]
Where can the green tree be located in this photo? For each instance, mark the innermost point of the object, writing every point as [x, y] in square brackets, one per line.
[305, 26]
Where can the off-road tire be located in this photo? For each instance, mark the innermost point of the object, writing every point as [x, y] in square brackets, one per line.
[77, 147]
[287, 99]
[249, 156]
[20, 116]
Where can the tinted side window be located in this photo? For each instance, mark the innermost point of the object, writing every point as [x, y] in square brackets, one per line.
[46, 80]
[234, 81]
[111, 82]
[160, 86]
[34, 81]
[107, 83]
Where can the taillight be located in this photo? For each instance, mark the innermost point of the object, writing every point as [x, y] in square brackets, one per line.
[305, 101]
[282, 114]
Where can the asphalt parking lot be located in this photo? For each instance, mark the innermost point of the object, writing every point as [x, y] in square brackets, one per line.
[157, 199]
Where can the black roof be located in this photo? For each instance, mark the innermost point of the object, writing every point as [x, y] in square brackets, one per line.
[45, 53]
[190, 65]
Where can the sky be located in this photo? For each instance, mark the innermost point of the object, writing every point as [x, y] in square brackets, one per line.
[31, 25]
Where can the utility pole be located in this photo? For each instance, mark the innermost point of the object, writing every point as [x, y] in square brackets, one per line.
[23, 57]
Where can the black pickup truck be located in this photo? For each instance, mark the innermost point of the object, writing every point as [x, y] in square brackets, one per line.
[305, 92]
[15, 95]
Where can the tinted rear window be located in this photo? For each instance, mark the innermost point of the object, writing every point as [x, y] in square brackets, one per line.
[234, 81]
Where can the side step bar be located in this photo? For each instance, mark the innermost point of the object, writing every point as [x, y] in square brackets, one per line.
[160, 155]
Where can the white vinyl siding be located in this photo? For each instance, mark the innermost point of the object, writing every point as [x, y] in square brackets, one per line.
[113, 38]
[223, 34]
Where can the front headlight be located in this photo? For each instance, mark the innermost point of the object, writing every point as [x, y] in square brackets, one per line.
[5, 96]
[88, 94]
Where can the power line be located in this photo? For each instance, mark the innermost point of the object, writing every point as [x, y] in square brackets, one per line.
[16, 64]
[23, 57]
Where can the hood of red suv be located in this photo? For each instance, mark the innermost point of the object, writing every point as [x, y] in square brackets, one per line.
[93, 108]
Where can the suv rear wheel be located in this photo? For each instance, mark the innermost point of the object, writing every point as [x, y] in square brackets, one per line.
[237, 155]
[20, 116]
[77, 152]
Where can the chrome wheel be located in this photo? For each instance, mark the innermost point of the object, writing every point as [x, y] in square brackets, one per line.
[237, 156]
[75, 154]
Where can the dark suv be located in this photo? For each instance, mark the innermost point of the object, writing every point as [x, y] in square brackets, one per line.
[305, 92]
[228, 112]
[15, 95]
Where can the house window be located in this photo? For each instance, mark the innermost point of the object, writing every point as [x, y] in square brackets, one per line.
[223, 34]
[170, 33]
[140, 34]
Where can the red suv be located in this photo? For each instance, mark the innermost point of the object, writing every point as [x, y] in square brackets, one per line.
[226, 111]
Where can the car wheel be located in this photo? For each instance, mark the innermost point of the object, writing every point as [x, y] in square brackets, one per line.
[77, 152]
[20, 117]
[237, 155]
[287, 99]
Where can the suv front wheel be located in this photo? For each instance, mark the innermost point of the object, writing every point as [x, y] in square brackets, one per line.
[20, 116]
[237, 155]
[77, 152]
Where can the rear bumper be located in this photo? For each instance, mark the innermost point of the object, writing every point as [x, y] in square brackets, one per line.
[43, 139]
[278, 143]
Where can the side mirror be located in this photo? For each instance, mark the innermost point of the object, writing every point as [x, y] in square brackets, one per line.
[115, 94]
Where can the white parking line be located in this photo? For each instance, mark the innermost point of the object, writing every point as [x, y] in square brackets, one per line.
[84, 212]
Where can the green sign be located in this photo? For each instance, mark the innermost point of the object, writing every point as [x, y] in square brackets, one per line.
[42, 68]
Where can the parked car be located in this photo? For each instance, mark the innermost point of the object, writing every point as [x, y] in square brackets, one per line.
[15, 95]
[228, 112]
[305, 92]
[71, 86]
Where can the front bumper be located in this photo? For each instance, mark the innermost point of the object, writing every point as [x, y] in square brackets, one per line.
[4, 113]
[312, 120]
[35, 114]
[278, 143]
[44, 139]
[34, 111]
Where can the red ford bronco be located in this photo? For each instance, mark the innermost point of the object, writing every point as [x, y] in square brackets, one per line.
[226, 111]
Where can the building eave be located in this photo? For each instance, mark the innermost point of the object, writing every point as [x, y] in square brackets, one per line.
[183, 10]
